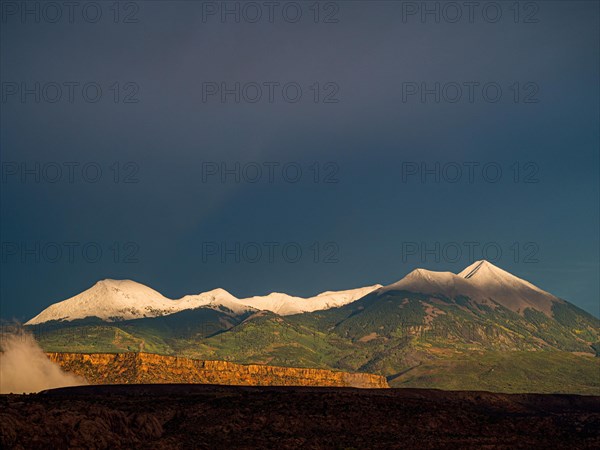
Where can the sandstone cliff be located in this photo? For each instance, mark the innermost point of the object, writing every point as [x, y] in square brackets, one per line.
[115, 368]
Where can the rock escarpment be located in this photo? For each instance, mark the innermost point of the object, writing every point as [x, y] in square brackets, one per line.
[134, 368]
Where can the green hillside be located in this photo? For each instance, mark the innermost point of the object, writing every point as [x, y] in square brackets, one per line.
[414, 340]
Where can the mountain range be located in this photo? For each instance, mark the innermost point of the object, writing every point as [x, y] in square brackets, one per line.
[482, 328]
[118, 300]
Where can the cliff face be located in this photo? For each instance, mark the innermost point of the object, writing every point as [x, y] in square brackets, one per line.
[134, 368]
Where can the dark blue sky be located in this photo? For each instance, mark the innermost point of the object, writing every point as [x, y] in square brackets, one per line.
[158, 230]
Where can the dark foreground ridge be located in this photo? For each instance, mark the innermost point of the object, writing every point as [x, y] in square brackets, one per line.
[216, 416]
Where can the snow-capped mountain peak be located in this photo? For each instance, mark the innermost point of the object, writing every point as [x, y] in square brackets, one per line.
[430, 282]
[481, 281]
[117, 300]
[212, 299]
[485, 273]
[505, 288]
[107, 299]
[284, 304]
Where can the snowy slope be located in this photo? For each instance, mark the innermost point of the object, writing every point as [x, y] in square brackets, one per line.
[284, 304]
[212, 299]
[482, 282]
[431, 282]
[107, 298]
[114, 300]
[506, 289]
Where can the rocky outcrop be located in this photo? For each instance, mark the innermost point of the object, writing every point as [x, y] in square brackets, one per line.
[135, 368]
